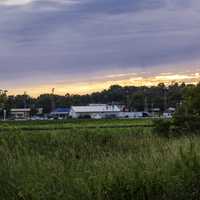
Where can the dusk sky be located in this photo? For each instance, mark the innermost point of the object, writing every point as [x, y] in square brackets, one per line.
[80, 46]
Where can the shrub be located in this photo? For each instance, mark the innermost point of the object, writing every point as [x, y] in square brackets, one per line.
[187, 124]
[162, 127]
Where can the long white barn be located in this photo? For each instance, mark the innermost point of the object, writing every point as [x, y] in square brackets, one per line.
[94, 111]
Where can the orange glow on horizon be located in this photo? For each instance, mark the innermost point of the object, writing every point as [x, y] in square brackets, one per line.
[87, 87]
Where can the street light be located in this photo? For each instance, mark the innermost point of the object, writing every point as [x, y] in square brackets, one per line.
[52, 99]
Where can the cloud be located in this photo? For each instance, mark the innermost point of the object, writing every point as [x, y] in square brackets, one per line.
[101, 83]
[15, 2]
[43, 3]
[51, 40]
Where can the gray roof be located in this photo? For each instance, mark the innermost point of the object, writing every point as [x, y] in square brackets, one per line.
[20, 110]
[95, 109]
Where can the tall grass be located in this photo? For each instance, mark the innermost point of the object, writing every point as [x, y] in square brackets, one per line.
[98, 164]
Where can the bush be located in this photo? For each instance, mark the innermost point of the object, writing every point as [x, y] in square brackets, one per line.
[162, 127]
[187, 124]
[179, 125]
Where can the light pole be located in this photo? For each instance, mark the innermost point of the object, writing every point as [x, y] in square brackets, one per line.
[145, 102]
[25, 98]
[52, 100]
[165, 99]
[4, 114]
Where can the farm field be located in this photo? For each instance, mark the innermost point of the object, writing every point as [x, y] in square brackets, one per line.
[129, 162]
[71, 124]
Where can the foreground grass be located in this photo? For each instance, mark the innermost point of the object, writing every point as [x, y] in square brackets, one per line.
[98, 164]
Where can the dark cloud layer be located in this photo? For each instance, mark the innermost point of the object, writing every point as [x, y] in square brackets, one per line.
[70, 39]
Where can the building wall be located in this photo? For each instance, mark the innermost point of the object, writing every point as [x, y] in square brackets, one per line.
[130, 115]
[93, 115]
[20, 115]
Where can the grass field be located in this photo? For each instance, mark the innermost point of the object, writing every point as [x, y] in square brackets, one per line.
[126, 162]
[75, 124]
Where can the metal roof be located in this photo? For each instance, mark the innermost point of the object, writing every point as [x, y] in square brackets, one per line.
[61, 110]
[20, 110]
[95, 109]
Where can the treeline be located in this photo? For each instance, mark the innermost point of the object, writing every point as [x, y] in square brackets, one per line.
[134, 98]
[186, 120]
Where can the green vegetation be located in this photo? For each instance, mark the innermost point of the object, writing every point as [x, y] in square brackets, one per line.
[134, 98]
[72, 124]
[187, 117]
[96, 163]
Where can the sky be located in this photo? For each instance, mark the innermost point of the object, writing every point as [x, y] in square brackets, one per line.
[82, 46]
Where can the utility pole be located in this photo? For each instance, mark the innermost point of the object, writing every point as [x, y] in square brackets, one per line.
[52, 100]
[145, 102]
[152, 107]
[165, 99]
[127, 100]
[25, 103]
[4, 114]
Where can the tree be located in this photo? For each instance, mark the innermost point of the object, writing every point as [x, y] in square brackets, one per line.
[137, 102]
[3, 98]
[187, 118]
[191, 101]
[135, 98]
[45, 101]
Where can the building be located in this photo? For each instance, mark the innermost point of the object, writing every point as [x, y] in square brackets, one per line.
[133, 115]
[95, 111]
[39, 111]
[155, 112]
[20, 113]
[130, 115]
[167, 115]
[60, 113]
[169, 112]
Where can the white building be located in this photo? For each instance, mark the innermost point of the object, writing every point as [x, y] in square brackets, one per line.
[133, 115]
[95, 111]
[130, 115]
[20, 113]
[167, 115]
[169, 112]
